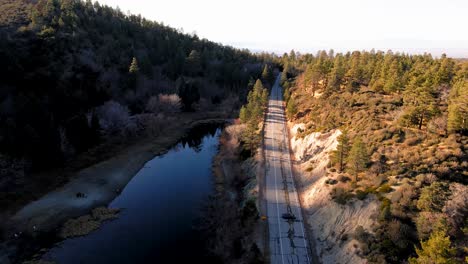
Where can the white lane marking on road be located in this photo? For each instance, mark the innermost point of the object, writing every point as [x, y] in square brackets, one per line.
[295, 196]
[283, 123]
[276, 193]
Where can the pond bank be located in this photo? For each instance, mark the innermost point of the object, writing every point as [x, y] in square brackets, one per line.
[96, 186]
[237, 201]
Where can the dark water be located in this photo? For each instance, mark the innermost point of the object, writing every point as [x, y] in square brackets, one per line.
[160, 205]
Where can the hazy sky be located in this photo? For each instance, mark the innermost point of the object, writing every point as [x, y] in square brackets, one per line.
[414, 26]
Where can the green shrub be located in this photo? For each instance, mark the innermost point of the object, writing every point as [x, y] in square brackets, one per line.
[360, 234]
[340, 195]
[385, 212]
[385, 188]
[343, 178]
[361, 195]
[331, 181]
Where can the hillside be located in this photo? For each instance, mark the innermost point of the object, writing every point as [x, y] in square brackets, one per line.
[81, 81]
[402, 150]
[15, 13]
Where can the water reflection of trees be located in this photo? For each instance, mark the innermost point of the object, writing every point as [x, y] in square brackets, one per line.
[194, 137]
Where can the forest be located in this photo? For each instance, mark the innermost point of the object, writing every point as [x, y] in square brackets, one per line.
[404, 124]
[76, 73]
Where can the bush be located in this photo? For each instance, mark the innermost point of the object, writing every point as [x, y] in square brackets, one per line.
[385, 188]
[385, 212]
[340, 195]
[343, 178]
[331, 181]
[361, 235]
[433, 197]
[114, 118]
[249, 212]
[170, 103]
[361, 195]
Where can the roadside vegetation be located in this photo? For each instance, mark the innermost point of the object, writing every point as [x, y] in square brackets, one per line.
[252, 115]
[403, 145]
[237, 169]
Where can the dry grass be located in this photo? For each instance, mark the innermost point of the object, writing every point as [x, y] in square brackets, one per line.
[85, 224]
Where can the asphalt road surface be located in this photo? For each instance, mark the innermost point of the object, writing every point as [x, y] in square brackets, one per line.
[285, 222]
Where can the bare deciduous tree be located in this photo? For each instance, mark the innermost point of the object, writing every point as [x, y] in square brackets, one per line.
[169, 103]
[114, 118]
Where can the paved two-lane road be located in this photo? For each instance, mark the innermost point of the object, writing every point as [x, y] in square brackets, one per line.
[288, 243]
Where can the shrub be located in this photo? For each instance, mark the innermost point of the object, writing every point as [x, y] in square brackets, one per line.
[385, 188]
[113, 117]
[361, 195]
[331, 181]
[343, 178]
[385, 212]
[164, 103]
[433, 197]
[360, 234]
[340, 195]
[428, 222]
[437, 249]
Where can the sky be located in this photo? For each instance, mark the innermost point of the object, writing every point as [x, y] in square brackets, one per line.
[413, 26]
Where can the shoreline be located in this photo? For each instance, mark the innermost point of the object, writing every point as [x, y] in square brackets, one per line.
[238, 202]
[100, 184]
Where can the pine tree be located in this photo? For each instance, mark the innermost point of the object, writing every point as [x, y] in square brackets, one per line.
[267, 75]
[393, 82]
[284, 78]
[445, 71]
[188, 93]
[456, 119]
[342, 150]
[291, 108]
[193, 63]
[251, 114]
[312, 77]
[358, 158]
[420, 104]
[287, 70]
[134, 66]
[355, 72]
[257, 100]
[336, 76]
[286, 95]
[458, 108]
[433, 197]
[244, 114]
[436, 250]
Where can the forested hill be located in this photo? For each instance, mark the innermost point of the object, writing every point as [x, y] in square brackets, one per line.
[403, 147]
[72, 70]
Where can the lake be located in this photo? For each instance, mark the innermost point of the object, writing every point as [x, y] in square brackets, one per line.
[160, 206]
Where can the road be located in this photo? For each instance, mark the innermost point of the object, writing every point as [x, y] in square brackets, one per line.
[288, 243]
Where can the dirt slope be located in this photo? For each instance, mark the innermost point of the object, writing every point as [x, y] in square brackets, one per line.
[332, 224]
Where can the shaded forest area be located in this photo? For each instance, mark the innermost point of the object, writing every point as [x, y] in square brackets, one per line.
[404, 123]
[76, 73]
